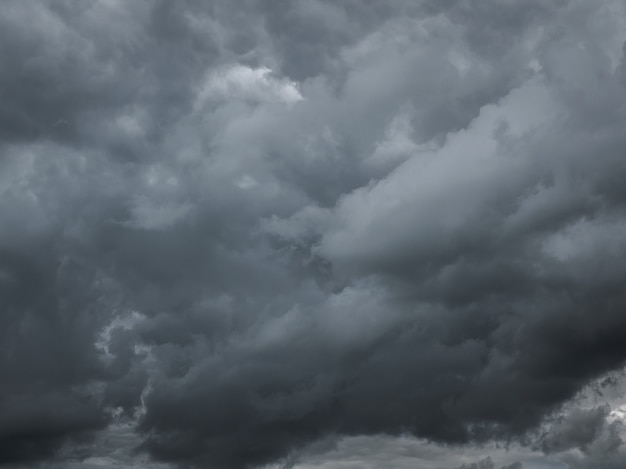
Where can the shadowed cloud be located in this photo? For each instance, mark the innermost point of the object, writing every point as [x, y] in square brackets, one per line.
[243, 228]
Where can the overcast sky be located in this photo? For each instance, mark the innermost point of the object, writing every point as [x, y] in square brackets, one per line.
[312, 234]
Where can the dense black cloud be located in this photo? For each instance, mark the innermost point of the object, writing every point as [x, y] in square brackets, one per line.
[250, 226]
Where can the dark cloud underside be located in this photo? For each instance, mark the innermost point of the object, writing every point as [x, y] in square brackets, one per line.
[251, 226]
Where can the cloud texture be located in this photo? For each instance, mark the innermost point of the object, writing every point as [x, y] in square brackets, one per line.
[253, 226]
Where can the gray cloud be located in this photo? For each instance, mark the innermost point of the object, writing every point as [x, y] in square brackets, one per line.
[249, 228]
[486, 463]
[585, 438]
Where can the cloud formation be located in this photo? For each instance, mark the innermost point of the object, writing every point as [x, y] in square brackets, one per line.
[250, 227]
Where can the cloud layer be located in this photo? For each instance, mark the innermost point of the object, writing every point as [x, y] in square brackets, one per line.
[250, 227]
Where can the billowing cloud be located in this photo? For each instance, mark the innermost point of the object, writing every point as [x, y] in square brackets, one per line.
[233, 231]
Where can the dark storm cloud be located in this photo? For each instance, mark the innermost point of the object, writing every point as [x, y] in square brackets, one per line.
[253, 226]
[47, 356]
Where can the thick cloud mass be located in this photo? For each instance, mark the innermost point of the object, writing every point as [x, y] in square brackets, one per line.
[251, 226]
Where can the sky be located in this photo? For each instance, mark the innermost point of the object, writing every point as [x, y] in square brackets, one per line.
[312, 234]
